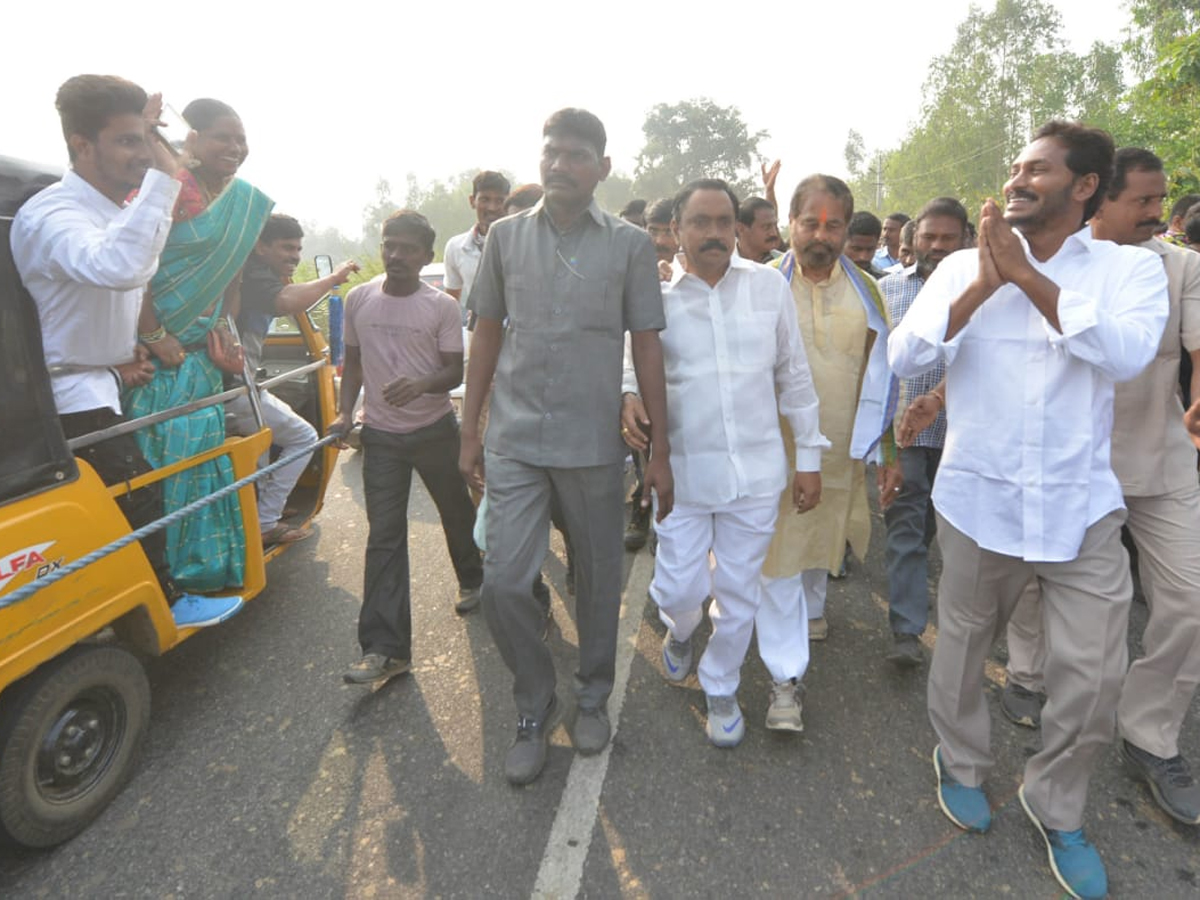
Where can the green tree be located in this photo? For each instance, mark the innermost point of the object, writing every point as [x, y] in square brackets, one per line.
[1006, 72]
[696, 139]
[1162, 109]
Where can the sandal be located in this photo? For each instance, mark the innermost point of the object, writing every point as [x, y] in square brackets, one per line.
[284, 534]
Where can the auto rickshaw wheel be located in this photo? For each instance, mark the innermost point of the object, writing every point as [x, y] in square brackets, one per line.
[69, 737]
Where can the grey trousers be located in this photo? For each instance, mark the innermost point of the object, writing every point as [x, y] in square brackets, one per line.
[518, 536]
[1085, 613]
[1161, 684]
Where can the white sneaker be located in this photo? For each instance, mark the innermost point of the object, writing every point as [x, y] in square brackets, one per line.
[725, 726]
[784, 712]
[677, 658]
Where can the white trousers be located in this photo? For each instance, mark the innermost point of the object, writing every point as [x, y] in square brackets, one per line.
[737, 536]
[786, 599]
[812, 585]
[289, 432]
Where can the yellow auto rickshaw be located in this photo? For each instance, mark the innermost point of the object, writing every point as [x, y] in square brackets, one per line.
[74, 698]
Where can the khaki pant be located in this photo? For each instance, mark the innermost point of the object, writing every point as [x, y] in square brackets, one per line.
[1085, 611]
[1159, 687]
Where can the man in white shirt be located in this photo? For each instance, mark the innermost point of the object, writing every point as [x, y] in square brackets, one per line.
[734, 363]
[489, 190]
[1034, 327]
[1156, 463]
[86, 257]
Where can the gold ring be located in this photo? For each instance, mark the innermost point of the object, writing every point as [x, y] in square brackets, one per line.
[624, 431]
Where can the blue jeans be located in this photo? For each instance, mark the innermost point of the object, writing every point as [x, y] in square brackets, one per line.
[910, 530]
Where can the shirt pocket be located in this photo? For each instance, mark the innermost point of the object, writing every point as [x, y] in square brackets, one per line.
[599, 304]
[754, 340]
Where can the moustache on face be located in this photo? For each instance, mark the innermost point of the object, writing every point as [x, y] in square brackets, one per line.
[1150, 223]
[818, 247]
[713, 244]
[1020, 195]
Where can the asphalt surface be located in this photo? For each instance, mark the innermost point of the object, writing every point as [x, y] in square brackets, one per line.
[264, 776]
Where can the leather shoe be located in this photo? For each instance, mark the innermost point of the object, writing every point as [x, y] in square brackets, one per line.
[527, 756]
[591, 731]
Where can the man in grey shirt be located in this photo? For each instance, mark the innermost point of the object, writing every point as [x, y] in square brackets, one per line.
[556, 290]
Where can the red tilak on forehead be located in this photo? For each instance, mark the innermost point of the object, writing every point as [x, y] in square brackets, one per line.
[824, 216]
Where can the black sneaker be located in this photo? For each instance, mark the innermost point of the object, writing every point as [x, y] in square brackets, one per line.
[527, 756]
[1022, 706]
[639, 526]
[1170, 782]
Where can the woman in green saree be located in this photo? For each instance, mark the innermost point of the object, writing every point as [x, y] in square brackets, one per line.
[218, 218]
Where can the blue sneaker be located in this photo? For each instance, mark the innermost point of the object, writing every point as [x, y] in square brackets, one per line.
[198, 611]
[966, 807]
[1075, 862]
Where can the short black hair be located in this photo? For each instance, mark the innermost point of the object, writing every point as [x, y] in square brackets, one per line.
[281, 227]
[1181, 206]
[411, 221]
[1130, 159]
[1191, 224]
[897, 217]
[633, 208]
[908, 232]
[524, 197]
[822, 184]
[1090, 151]
[865, 223]
[86, 103]
[748, 209]
[660, 211]
[577, 123]
[202, 113]
[488, 180]
[702, 184]
[945, 206]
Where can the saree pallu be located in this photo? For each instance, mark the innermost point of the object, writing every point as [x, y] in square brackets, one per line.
[207, 550]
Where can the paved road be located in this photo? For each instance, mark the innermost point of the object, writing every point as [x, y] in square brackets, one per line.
[265, 776]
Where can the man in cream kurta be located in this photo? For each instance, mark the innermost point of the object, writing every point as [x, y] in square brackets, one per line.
[844, 326]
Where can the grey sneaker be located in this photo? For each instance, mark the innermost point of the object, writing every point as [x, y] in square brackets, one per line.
[818, 629]
[906, 651]
[1021, 706]
[1170, 782]
[725, 726]
[677, 658]
[591, 731]
[527, 756]
[784, 712]
[375, 667]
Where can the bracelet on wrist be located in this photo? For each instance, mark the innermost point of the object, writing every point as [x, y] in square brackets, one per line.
[153, 337]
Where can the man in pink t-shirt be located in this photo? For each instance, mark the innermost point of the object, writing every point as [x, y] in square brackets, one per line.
[404, 348]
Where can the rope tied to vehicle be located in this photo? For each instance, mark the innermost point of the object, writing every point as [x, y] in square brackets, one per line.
[28, 590]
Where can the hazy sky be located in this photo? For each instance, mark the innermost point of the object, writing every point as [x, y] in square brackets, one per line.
[336, 98]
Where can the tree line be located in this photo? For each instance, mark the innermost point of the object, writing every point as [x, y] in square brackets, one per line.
[1007, 71]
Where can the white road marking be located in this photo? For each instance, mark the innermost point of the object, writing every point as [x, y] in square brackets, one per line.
[561, 871]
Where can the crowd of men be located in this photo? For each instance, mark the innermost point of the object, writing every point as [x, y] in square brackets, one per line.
[1013, 382]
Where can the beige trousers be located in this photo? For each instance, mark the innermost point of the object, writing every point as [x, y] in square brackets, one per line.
[1085, 611]
[1160, 685]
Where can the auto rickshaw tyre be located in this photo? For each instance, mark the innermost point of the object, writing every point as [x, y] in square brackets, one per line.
[69, 737]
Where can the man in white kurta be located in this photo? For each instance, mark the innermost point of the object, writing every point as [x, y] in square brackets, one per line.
[734, 363]
[1034, 328]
